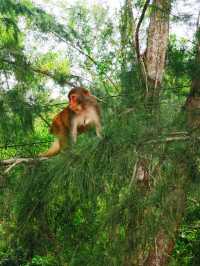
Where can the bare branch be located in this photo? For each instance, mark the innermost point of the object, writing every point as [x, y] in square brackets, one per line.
[11, 163]
[137, 43]
[169, 139]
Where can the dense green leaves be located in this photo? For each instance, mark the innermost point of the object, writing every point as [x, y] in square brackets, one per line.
[87, 205]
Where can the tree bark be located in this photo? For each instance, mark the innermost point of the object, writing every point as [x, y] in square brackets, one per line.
[157, 42]
[161, 250]
[160, 253]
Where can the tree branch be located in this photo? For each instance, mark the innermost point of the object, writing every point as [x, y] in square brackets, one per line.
[168, 139]
[11, 163]
[79, 49]
[137, 43]
[39, 71]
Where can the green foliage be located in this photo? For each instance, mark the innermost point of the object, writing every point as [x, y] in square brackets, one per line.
[55, 65]
[42, 261]
[86, 191]
[86, 206]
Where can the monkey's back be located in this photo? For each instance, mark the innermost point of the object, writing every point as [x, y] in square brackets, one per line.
[61, 122]
[91, 102]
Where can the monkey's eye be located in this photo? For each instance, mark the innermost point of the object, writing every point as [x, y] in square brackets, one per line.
[73, 98]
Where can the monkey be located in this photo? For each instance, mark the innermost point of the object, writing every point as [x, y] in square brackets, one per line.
[82, 112]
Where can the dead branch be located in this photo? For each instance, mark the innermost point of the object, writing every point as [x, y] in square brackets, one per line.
[169, 139]
[12, 162]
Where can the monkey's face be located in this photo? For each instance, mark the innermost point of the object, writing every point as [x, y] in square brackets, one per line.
[75, 103]
[77, 98]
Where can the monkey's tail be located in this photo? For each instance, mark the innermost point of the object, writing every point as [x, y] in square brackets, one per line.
[53, 150]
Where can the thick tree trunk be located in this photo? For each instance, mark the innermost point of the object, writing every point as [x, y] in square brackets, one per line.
[157, 41]
[160, 253]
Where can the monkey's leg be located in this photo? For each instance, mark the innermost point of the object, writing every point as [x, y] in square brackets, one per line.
[74, 132]
[98, 129]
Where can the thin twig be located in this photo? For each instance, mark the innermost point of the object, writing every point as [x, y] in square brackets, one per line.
[23, 144]
[168, 139]
[79, 49]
